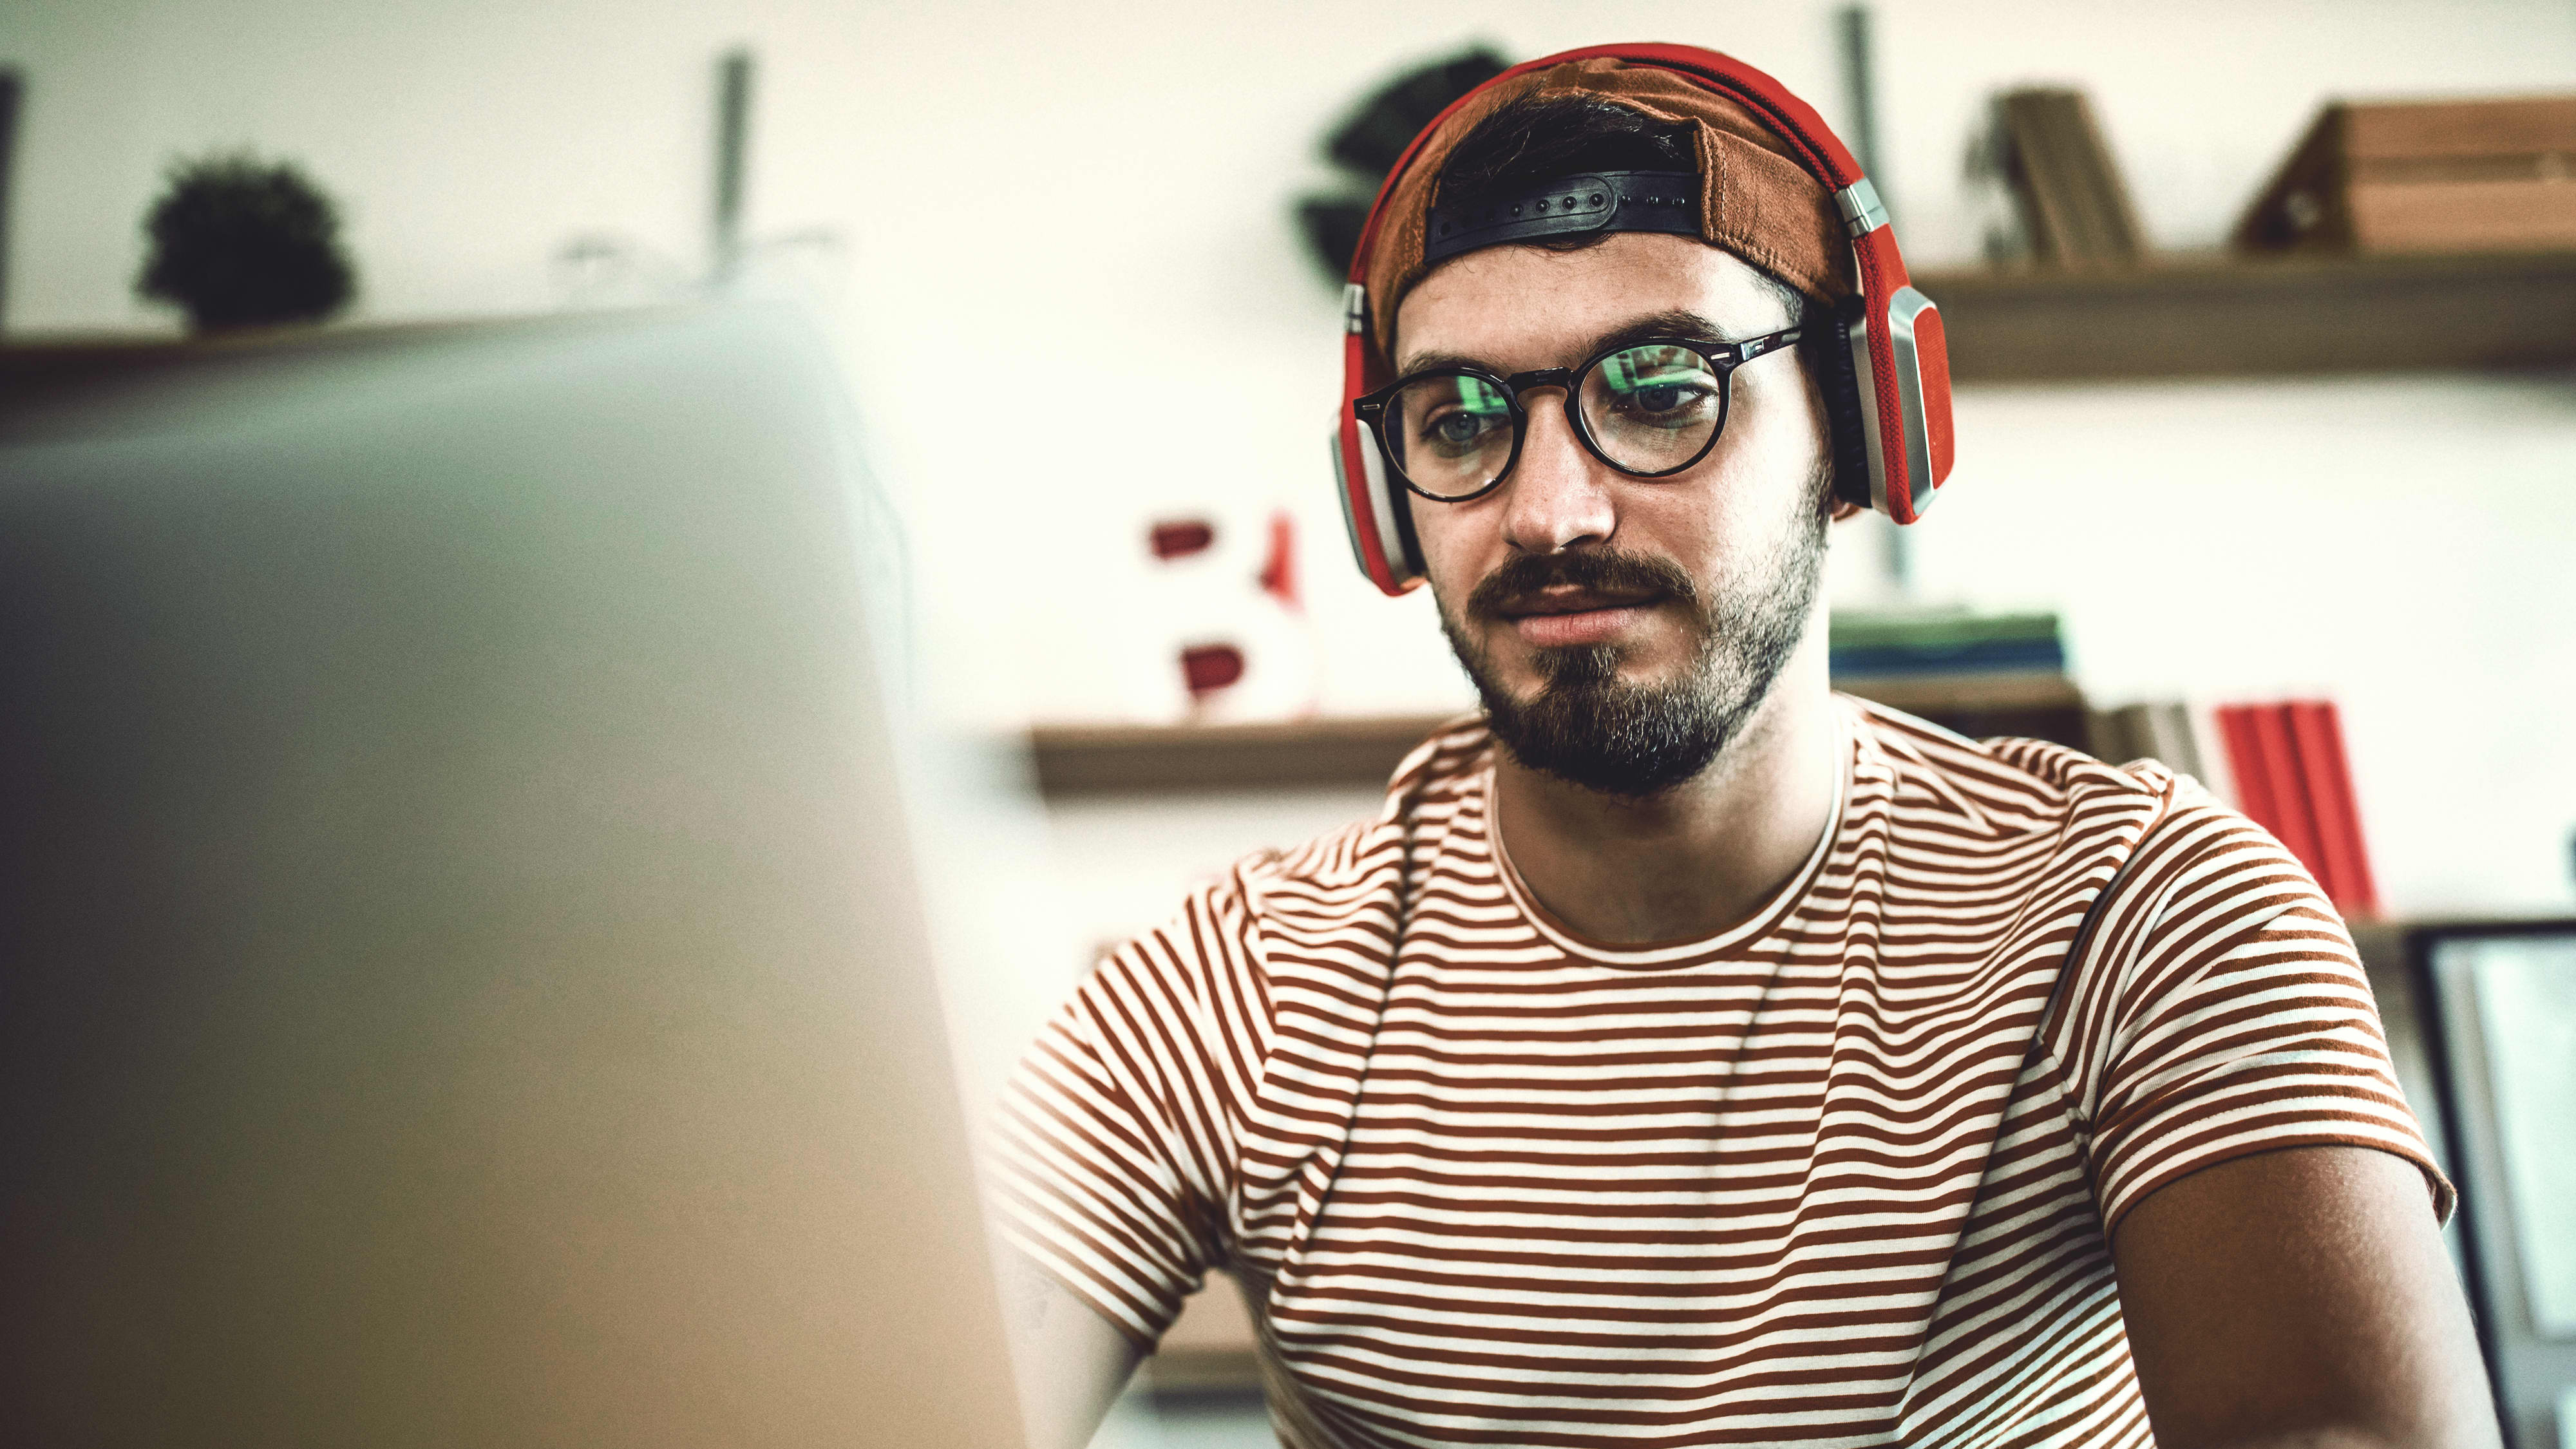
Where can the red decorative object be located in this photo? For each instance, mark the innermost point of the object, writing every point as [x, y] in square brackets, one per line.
[1180, 537]
[1279, 570]
[1207, 668]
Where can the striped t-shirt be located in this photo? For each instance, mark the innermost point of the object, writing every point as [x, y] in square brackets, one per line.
[1843, 1174]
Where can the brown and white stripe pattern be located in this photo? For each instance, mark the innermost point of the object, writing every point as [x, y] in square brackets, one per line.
[1843, 1175]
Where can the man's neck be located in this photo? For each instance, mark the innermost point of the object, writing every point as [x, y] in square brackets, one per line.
[1696, 859]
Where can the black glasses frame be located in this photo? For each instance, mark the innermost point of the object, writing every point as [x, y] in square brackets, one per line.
[1723, 359]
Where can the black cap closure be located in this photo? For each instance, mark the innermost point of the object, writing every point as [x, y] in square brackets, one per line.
[1597, 201]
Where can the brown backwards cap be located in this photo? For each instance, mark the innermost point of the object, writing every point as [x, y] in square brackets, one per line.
[1755, 200]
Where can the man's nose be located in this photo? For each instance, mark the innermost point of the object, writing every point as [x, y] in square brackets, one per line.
[1558, 496]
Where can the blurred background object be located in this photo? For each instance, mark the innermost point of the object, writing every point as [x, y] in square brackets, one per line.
[12, 91]
[1233, 618]
[241, 242]
[2073, 206]
[733, 142]
[1371, 139]
[1855, 34]
[606, 270]
[2497, 1000]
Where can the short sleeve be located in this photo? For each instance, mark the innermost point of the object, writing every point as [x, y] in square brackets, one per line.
[2241, 1023]
[1112, 1148]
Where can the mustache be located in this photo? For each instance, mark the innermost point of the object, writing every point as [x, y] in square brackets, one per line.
[1601, 569]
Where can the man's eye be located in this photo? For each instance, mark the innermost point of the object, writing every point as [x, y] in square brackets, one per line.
[1661, 390]
[1458, 414]
[1654, 386]
[1663, 401]
[1460, 427]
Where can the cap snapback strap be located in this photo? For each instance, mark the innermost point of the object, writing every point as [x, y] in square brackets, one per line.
[1568, 206]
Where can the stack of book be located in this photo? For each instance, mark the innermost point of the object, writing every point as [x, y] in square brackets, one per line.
[1920, 643]
[2074, 207]
[1979, 674]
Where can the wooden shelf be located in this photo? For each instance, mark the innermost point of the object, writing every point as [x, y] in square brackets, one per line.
[1093, 760]
[1931, 695]
[2179, 315]
[45, 381]
[75, 358]
[1167, 759]
[2213, 316]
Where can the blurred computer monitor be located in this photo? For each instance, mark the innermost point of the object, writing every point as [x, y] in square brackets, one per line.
[2502, 999]
[462, 975]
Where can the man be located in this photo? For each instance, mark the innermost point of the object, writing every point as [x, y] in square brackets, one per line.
[1690, 1054]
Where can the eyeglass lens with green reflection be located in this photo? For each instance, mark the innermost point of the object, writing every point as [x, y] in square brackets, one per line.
[1649, 409]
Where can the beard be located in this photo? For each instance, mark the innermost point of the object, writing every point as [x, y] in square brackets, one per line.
[1586, 725]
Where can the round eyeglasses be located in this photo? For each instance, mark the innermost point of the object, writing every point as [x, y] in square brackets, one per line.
[1649, 408]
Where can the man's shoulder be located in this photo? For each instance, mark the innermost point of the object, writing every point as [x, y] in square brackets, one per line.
[1358, 870]
[2190, 846]
[2000, 787]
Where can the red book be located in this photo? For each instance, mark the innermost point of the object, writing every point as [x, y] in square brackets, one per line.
[2289, 787]
[2319, 732]
[2245, 763]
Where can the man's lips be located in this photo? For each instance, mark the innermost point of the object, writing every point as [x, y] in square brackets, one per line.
[1560, 618]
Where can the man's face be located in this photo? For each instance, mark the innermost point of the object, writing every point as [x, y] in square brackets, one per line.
[1622, 630]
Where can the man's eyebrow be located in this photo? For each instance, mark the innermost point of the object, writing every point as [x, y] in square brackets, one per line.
[1637, 329]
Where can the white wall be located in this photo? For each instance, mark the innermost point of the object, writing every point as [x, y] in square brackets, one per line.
[1073, 298]
[2402, 544]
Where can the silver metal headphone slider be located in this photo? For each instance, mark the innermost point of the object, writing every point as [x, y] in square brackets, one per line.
[1354, 307]
[1862, 211]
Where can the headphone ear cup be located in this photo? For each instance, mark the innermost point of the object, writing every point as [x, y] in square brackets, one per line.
[1374, 518]
[1352, 523]
[1830, 351]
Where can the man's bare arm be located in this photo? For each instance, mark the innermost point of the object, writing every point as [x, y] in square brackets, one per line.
[1071, 1363]
[2300, 1297]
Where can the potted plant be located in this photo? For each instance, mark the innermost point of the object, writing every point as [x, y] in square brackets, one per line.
[238, 242]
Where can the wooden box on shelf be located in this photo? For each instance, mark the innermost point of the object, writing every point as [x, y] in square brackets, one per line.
[2410, 177]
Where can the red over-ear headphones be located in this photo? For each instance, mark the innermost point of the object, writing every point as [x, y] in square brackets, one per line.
[1887, 391]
